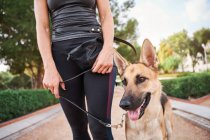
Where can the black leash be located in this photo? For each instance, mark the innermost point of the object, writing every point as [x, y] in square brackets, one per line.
[86, 112]
[125, 42]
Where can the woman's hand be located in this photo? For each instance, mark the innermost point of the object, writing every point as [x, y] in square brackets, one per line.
[104, 61]
[51, 81]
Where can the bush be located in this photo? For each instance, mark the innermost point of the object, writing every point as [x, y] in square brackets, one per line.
[5, 77]
[19, 81]
[194, 85]
[191, 74]
[15, 103]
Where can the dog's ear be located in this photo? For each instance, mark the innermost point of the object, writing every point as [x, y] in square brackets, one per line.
[148, 54]
[120, 62]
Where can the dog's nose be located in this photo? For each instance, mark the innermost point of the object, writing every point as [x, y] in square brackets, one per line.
[125, 104]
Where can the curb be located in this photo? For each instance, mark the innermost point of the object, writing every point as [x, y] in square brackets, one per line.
[16, 129]
[201, 111]
[197, 114]
[196, 120]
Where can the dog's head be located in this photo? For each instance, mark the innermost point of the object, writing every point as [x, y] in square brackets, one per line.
[139, 80]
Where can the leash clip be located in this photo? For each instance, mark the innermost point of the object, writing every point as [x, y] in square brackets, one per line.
[108, 125]
[68, 57]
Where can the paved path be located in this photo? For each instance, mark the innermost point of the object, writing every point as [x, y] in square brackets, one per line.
[197, 114]
[55, 126]
[192, 108]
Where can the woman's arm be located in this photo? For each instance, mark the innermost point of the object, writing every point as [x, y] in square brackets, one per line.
[43, 32]
[51, 76]
[104, 62]
[107, 22]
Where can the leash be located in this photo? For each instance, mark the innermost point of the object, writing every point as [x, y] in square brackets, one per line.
[88, 113]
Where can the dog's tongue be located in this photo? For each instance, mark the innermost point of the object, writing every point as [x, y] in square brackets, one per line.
[134, 114]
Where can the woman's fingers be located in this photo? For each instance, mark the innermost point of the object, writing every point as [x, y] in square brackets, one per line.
[109, 70]
[99, 68]
[96, 67]
[63, 86]
[96, 61]
[51, 90]
[54, 89]
[56, 92]
[102, 68]
[44, 85]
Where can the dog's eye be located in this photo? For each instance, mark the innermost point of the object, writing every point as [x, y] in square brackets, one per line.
[140, 79]
[124, 81]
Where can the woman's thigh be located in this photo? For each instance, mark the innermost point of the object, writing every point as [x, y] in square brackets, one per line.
[99, 90]
[74, 89]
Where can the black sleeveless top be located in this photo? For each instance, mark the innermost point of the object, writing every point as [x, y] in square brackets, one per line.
[65, 14]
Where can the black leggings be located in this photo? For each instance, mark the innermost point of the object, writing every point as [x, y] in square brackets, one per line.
[98, 89]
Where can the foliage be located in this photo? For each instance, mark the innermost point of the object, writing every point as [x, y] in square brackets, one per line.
[177, 43]
[125, 28]
[10, 81]
[19, 81]
[180, 44]
[193, 85]
[18, 38]
[170, 64]
[165, 51]
[128, 53]
[5, 77]
[200, 37]
[191, 74]
[15, 103]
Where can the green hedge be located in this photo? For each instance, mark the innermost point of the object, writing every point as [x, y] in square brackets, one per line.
[193, 85]
[15, 103]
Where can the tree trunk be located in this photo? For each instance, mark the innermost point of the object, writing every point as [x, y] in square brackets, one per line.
[182, 65]
[193, 64]
[39, 77]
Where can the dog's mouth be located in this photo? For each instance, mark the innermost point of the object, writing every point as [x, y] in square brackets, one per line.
[139, 112]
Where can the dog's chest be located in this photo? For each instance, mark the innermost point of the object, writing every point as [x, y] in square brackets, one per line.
[139, 130]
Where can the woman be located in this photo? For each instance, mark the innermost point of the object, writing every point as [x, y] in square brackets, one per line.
[97, 85]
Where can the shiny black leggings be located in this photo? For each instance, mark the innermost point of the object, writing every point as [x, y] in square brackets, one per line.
[97, 88]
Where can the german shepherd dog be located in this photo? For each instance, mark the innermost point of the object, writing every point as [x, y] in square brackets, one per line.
[149, 112]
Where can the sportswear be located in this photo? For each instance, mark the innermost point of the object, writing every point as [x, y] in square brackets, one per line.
[67, 14]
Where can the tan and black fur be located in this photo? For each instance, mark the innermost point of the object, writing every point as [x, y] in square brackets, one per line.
[141, 80]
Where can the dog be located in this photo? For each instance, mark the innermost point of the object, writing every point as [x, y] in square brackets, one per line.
[149, 113]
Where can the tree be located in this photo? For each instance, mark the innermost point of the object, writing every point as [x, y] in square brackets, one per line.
[170, 64]
[125, 28]
[169, 60]
[200, 37]
[18, 40]
[177, 44]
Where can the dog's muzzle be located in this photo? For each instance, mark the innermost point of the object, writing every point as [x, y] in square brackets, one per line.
[135, 106]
